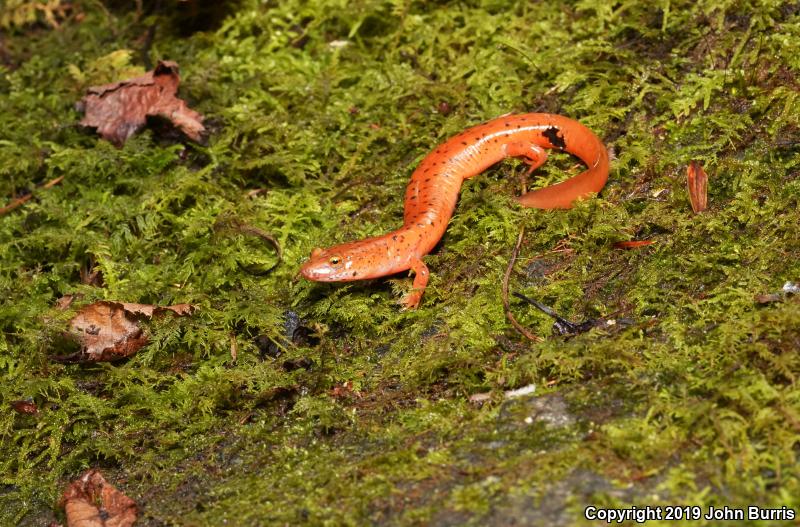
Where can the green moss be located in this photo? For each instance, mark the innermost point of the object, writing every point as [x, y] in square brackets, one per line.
[363, 416]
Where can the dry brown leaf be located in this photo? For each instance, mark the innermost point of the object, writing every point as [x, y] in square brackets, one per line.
[25, 407]
[121, 109]
[697, 183]
[110, 331]
[91, 501]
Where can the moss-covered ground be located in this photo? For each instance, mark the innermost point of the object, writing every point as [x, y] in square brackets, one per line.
[341, 409]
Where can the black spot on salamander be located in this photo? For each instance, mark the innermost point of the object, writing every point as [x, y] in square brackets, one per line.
[507, 124]
[556, 140]
[464, 143]
[394, 237]
[427, 179]
[355, 273]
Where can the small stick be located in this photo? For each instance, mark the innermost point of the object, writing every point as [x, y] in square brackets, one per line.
[19, 201]
[249, 229]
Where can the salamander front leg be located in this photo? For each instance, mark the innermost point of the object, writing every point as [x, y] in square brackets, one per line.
[421, 275]
[533, 154]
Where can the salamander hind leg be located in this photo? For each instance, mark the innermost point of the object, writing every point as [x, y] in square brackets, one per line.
[421, 275]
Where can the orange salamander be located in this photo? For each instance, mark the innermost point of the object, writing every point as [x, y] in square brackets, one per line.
[432, 193]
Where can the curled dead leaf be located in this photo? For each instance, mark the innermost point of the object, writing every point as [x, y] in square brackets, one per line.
[121, 109]
[697, 183]
[108, 331]
[91, 501]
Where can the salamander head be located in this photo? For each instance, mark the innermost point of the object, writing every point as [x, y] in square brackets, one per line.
[359, 260]
[341, 263]
[324, 266]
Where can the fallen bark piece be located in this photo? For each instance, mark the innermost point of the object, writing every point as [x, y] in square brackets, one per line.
[108, 331]
[119, 110]
[93, 502]
[697, 183]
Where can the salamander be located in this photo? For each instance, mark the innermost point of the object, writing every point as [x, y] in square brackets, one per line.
[431, 195]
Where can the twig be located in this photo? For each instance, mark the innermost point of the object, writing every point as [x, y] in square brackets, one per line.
[564, 327]
[148, 43]
[249, 229]
[509, 315]
[19, 201]
[16, 203]
[53, 182]
[255, 231]
[236, 225]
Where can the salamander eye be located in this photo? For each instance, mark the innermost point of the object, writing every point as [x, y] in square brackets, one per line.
[335, 260]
